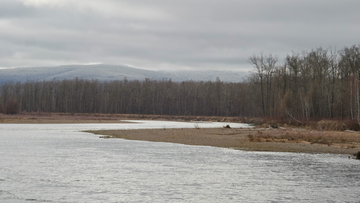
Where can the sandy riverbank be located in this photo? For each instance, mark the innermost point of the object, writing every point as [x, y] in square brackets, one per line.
[243, 139]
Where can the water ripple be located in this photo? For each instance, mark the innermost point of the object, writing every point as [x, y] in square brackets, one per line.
[59, 164]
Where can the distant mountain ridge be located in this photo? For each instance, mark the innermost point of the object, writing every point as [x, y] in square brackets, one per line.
[102, 72]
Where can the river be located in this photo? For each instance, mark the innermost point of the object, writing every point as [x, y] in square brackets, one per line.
[59, 163]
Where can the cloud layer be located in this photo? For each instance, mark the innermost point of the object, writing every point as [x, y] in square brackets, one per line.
[169, 35]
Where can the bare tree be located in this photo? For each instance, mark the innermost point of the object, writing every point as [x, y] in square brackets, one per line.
[12, 106]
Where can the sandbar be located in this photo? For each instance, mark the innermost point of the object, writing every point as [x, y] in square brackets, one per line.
[240, 139]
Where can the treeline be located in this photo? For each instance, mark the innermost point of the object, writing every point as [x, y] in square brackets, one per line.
[129, 97]
[321, 83]
[315, 84]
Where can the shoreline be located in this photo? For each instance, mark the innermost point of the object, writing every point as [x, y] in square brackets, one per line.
[280, 139]
[232, 138]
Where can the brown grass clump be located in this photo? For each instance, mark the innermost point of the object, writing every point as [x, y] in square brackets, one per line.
[352, 125]
[330, 125]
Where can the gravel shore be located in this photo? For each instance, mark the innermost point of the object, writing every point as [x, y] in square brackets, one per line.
[235, 138]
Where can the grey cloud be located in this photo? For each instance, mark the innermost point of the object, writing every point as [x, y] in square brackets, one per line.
[13, 9]
[180, 34]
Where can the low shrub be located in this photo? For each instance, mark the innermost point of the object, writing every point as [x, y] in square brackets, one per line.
[255, 121]
[351, 125]
[330, 125]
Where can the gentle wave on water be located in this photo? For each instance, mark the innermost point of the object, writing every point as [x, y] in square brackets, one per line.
[57, 163]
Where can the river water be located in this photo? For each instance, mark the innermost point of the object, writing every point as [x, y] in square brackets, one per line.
[59, 163]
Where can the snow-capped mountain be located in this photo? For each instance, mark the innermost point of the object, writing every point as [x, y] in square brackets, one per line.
[103, 72]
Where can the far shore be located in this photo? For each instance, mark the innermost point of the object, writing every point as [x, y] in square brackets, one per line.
[53, 118]
[243, 139]
[57, 121]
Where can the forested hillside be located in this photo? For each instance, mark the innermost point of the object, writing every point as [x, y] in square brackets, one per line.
[321, 83]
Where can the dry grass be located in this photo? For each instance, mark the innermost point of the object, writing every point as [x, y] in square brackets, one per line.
[293, 135]
[325, 124]
[338, 125]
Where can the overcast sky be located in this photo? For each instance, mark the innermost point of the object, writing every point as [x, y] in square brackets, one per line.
[170, 34]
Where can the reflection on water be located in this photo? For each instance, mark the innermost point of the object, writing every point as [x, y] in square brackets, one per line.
[57, 163]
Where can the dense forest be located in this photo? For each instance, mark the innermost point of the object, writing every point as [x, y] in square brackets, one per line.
[321, 83]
